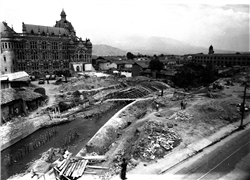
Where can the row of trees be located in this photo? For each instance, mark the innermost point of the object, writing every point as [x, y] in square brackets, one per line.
[194, 74]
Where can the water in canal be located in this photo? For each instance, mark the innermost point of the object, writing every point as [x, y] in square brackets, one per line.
[55, 137]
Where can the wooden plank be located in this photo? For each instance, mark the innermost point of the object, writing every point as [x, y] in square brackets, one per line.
[79, 169]
[86, 172]
[59, 166]
[65, 166]
[76, 167]
[97, 167]
[94, 157]
[84, 167]
[70, 169]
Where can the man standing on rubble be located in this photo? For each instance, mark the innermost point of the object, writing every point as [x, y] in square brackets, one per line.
[124, 169]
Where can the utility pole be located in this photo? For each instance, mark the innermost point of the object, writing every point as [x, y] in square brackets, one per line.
[243, 107]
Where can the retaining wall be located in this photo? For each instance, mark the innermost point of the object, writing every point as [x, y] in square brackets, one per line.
[106, 135]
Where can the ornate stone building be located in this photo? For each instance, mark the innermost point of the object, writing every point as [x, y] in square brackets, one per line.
[41, 50]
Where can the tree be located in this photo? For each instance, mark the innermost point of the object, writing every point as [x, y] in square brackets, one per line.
[130, 55]
[194, 74]
[155, 65]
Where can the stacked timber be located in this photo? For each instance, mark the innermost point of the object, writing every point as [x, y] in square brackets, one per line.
[73, 168]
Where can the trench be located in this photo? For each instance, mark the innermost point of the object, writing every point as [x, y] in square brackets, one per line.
[16, 158]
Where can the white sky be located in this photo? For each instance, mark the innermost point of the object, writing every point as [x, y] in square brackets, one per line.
[226, 26]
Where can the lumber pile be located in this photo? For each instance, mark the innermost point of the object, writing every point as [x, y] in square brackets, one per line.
[73, 168]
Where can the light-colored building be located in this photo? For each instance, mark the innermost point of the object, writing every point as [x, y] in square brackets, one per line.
[41, 50]
[237, 59]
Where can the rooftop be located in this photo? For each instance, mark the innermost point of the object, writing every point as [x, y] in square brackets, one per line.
[8, 95]
[44, 29]
[17, 76]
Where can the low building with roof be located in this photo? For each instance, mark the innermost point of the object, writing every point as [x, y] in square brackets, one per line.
[11, 104]
[18, 102]
[15, 80]
[139, 67]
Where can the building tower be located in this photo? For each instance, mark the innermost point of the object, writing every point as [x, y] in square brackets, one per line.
[7, 49]
[211, 50]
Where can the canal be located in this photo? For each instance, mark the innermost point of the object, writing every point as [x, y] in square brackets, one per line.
[80, 130]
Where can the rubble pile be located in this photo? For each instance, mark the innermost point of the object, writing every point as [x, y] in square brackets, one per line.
[86, 83]
[181, 115]
[155, 141]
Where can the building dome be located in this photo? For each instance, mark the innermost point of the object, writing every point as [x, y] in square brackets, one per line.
[63, 14]
[6, 34]
[88, 43]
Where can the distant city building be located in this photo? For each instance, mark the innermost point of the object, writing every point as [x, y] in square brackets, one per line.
[41, 50]
[228, 60]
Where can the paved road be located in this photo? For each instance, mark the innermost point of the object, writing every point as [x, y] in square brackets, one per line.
[229, 159]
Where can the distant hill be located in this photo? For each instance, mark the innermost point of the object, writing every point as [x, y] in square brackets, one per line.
[106, 50]
[159, 45]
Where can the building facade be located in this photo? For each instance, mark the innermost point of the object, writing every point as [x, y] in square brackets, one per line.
[228, 60]
[41, 50]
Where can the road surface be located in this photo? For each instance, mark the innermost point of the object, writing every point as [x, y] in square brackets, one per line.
[228, 159]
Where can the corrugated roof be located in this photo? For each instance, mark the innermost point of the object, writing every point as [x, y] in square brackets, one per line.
[143, 64]
[55, 30]
[28, 95]
[8, 95]
[17, 76]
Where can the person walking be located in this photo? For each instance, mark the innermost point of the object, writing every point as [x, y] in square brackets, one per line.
[124, 169]
[157, 107]
[182, 103]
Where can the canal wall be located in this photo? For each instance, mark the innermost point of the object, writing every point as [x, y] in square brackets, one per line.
[108, 133]
[28, 128]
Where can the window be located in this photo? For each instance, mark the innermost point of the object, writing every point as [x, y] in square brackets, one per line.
[54, 45]
[46, 65]
[5, 69]
[44, 46]
[34, 55]
[33, 45]
[4, 59]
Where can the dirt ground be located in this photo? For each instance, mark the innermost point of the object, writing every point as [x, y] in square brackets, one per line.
[202, 117]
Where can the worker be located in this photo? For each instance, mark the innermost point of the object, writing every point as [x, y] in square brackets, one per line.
[123, 169]
[157, 107]
[182, 105]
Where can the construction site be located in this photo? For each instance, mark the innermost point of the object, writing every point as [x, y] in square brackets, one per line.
[90, 123]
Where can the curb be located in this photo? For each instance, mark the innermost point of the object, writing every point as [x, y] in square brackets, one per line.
[200, 150]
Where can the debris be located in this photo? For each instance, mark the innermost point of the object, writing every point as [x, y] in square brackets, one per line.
[154, 141]
[181, 115]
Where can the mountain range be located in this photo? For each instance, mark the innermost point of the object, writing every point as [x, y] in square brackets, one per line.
[149, 46]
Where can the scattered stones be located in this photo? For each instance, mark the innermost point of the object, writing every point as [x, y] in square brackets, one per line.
[154, 141]
[181, 115]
